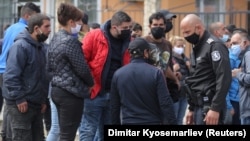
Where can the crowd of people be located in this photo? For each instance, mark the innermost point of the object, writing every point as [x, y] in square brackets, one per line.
[91, 75]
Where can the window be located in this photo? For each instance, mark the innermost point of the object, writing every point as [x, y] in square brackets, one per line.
[211, 10]
[6, 15]
[91, 8]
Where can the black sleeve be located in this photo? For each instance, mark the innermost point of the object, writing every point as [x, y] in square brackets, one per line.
[115, 102]
[78, 62]
[221, 66]
[165, 100]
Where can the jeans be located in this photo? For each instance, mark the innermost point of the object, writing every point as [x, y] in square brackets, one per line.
[25, 126]
[236, 116]
[96, 114]
[6, 132]
[180, 109]
[199, 116]
[54, 129]
[228, 117]
[70, 110]
[245, 121]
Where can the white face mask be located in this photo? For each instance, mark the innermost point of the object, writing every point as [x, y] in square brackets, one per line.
[178, 50]
[75, 30]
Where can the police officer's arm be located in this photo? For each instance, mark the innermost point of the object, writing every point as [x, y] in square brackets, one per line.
[221, 67]
[165, 100]
[244, 76]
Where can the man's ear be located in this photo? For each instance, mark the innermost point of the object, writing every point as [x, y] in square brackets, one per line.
[146, 53]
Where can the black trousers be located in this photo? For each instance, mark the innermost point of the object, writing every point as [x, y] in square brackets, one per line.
[70, 109]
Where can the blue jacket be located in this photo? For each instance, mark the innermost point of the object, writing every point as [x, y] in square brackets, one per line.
[233, 93]
[8, 40]
[140, 92]
[24, 78]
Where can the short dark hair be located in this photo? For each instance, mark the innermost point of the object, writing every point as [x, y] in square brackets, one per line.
[29, 8]
[119, 17]
[36, 20]
[85, 18]
[136, 26]
[95, 25]
[64, 13]
[157, 16]
[230, 27]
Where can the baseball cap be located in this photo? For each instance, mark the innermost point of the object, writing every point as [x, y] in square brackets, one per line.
[138, 45]
[167, 14]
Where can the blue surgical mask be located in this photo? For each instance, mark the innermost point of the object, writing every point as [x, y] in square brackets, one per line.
[224, 38]
[235, 49]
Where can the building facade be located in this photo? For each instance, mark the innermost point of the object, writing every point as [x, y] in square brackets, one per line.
[227, 11]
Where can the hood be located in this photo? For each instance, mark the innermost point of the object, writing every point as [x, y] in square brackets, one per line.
[106, 25]
[25, 35]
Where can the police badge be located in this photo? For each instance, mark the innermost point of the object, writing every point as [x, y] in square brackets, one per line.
[215, 55]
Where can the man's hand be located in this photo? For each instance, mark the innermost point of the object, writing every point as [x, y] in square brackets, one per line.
[43, 109]
[232, 112]
[235, 72]
[190, 118]
[212, 118]
[23, 107]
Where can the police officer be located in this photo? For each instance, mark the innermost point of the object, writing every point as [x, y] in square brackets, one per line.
[210, 74]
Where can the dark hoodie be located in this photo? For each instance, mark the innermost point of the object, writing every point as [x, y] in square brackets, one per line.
[24, 79]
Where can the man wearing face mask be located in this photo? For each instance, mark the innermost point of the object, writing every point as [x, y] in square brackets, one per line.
[24, 80]
[105, 50]
[157, 25]
[210, 74]
[145, 100]
[10, 34]
[233, 94]
[218, 29]
[239, 43]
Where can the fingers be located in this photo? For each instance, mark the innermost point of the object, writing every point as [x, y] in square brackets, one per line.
[23, 108]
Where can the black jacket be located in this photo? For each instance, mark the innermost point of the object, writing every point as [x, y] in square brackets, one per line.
[140, 92]
[67, 65]
[24, 78]
[210, 71]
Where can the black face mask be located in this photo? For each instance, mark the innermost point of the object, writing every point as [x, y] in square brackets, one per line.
[41, 37]
[157, 32]
[169, 26]
[125, 34]
[193, 39]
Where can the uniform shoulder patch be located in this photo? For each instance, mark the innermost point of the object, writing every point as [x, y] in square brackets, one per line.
[210, 40]
[215, 55]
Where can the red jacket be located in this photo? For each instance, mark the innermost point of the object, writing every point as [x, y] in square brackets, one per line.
[95, 49]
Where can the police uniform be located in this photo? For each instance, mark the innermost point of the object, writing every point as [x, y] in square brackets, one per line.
[210, 77]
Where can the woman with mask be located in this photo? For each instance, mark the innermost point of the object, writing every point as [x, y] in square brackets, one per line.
[70, 73]
[181, 66]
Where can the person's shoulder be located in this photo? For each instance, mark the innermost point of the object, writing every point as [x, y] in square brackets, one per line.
[247, 54]
[147, 38]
